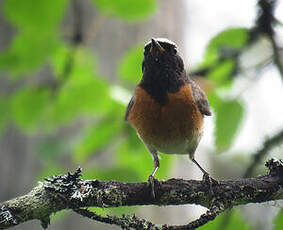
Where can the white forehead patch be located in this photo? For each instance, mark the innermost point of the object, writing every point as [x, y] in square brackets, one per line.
[163, 40]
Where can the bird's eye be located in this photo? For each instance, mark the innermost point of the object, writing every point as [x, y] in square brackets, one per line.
[174, 50]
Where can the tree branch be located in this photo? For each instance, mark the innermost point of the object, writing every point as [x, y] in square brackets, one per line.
[265, 25]
[256, 160]
[276, 55]
[127, 222]
[71, 192]
[261, 153]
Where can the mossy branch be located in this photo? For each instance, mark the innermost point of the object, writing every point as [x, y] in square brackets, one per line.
[71, 192]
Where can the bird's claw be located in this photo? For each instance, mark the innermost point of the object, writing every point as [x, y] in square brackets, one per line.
[152, 181]
[208, 180]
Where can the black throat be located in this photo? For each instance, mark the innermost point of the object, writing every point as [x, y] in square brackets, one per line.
[158, 82]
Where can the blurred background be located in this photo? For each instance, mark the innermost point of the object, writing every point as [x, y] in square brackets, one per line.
[68, 69]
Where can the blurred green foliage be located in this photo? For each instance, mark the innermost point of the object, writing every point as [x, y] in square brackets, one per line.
[221, 72]
[80, 90]
[37, 35]
[230, 40]
[28, 107]
[79, 94]
[220, 65]
[236, 222]
[97, 137]
[130, 68]
[279, 221]
[126, 9]
[77, 90]
[229, 114]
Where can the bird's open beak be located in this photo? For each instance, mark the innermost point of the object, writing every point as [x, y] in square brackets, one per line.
[156, 47]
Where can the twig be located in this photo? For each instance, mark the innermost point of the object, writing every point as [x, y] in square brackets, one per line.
[264, 25]
[205, 218]
[127, 222]
[76, 39]
[261, 153]
[276, 55]
[278, 22]
[257, 158]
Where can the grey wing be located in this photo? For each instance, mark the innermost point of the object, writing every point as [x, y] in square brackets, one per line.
[130, 105]
[200, 98]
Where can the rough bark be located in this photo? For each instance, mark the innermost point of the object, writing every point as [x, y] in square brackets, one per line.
[71, 192]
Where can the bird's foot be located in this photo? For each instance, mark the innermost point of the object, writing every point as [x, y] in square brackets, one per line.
[210, 182]
[152, 181]
[208, 179]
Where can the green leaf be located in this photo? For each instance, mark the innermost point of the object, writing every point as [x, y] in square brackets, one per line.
[235, 38]
[84, 92]
[229, 115]
[127, 9]
[236, 222]
[28, 52]
[221, 73]
[61, 60]
[37, 37]
[69, 59]
[230, 40]
[37, 34]
[97, 137]
[214, 99]
[278, 222]
[130, 67]
[29, 106]
[88, 98]
[46, 16]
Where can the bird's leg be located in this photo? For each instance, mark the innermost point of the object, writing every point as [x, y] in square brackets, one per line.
[203, 171]
[156, 163]
[206, 177]
[151, 178]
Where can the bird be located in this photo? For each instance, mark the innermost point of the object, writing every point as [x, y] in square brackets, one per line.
[167, 109]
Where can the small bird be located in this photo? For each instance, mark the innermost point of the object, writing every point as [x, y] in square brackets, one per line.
[168, 107]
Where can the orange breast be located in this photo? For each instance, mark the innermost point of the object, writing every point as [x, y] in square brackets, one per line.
[173, 128]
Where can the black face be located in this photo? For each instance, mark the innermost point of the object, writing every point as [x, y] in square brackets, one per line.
[162, 54]
[163, 69]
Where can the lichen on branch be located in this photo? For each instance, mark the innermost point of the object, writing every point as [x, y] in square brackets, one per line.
[71, 192]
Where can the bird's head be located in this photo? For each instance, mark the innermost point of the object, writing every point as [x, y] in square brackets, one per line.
[161, 54]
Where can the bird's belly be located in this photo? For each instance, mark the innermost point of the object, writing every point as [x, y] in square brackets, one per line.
[171, 146]
[173, 142]
[174, 128]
